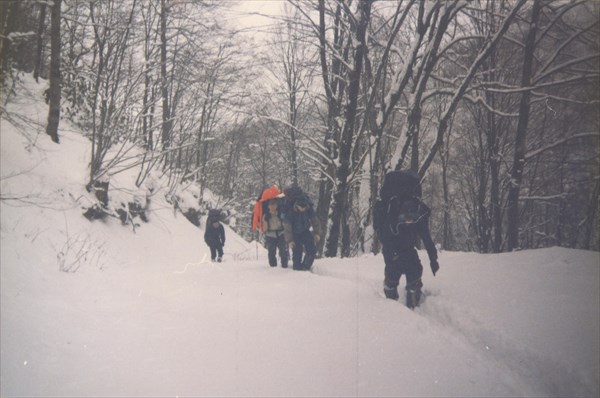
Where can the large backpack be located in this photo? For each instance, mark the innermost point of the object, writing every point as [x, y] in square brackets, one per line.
[214, 215]
[402, 184]
[398, 208]
[292, 194]
[260, 207]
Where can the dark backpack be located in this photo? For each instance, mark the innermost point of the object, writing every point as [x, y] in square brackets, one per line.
[401, 184]
[292, 194]
[398, 208]
[213, 215]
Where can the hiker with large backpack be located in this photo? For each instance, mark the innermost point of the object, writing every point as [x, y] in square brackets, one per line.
[299, 218]
[268, 218]
[399, 218]
[214, 234]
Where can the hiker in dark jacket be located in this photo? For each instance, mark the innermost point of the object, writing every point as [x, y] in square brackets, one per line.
[214, 236]
[400, 217]
[298, 220]
[274, 234]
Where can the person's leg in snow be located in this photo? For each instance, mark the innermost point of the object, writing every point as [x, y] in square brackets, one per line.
[304, 244]
[297, 251]
[283, 252]
[414, 271]
[220, 253]
[213, 253]
[390, 291]
[310, 250]
[397, 263]
[392, 273]
[413, 293]
[272, 250]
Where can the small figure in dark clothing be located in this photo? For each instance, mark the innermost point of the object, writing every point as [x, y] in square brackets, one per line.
[400, 218]
[274, 235]
[214, 236]
[298, 219]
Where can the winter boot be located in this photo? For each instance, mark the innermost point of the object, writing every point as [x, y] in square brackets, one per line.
[390, 292]
[413, 293]
[308, 261]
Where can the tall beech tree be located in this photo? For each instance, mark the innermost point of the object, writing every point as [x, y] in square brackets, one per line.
[55, 78]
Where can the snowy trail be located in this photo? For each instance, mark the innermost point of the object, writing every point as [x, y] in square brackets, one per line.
[544, 375]
[242, 328]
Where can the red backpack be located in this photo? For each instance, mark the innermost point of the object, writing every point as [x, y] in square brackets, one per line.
[272, 192]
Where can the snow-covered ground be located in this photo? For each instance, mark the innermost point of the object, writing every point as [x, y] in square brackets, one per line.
[96, 309]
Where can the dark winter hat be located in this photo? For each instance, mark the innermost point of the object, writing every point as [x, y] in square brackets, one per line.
[293, 192]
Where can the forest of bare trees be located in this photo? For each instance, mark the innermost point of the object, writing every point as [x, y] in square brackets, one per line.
[494, 103]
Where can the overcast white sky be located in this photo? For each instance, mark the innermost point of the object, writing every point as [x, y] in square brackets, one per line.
[254, 14]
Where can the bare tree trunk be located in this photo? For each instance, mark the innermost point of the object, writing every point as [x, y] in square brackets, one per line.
[54, 111]
[340, 197]
[591, 216]
[146, 126]
[292, 86]
[447, 229]
[293, 144]
[326, 185]
[345, 247]
[148, 103]
[99, 49]
[521, 135]
[494, 159]
[325, 188]
[483, 226]
[7, 9]
[495, 200]
[146, 132]
[40, 42]
[166, 117]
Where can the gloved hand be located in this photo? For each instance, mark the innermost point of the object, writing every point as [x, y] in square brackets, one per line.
[434, 266]
[291, 245]
[317, 239]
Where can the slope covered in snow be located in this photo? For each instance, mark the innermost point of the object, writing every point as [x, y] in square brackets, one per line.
[96, 309]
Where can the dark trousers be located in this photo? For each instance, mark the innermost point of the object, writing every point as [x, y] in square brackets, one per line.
[303, 243]
[214, 250]
[273, 244]
[402, 262]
